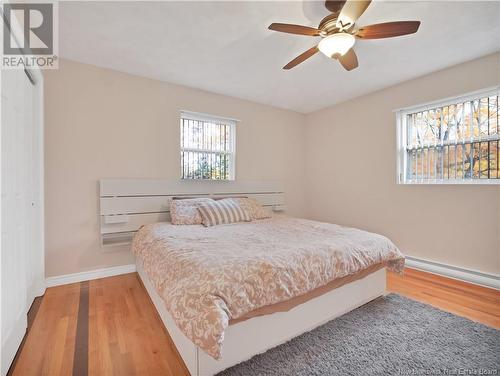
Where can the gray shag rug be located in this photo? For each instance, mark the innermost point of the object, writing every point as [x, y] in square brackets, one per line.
[391, 335]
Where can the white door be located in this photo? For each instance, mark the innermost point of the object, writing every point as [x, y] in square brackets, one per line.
[21, 222]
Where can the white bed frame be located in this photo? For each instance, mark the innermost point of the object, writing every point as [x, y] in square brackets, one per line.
[131, 198]
[259, 334]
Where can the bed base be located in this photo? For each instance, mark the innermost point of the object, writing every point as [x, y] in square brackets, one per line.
[258, 334]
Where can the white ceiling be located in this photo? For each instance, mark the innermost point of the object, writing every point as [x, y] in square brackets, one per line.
[226, 48]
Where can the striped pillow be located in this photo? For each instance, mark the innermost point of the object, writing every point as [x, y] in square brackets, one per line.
[222, 211]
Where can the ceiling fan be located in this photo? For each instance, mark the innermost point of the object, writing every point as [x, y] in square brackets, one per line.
[339, 34]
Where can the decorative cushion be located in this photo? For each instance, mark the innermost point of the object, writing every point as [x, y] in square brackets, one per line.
[222, 211]
[252, 206]
[185, 211]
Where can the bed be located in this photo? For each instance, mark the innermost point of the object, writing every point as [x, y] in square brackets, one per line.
[228, 292]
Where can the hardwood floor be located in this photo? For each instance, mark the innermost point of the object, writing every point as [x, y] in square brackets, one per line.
[115, 329]
[50, 342]
[125, 333]
[464, 299]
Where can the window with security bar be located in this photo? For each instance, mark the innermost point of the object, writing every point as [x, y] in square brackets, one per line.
[207, 147]
[456, 141]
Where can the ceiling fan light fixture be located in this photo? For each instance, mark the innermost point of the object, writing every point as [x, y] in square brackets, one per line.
[336, 44]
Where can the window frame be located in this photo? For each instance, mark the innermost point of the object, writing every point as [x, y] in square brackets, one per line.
[198, 116]
[402, 133]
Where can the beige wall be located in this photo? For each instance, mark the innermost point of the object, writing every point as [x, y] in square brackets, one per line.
[351, 175]
[101, 123]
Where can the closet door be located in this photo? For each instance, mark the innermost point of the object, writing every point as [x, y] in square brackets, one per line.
[21, 248]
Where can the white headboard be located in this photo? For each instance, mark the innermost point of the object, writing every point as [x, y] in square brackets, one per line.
[127, 204]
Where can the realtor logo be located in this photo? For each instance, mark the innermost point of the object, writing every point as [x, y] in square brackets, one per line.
[37, 30]
[29, 35]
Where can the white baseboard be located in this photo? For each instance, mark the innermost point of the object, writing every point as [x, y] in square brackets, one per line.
[467, 275]
[455, 272]
[89, 275]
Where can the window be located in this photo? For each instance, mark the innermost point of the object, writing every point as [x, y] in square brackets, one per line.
[207, 147]
[454, 141]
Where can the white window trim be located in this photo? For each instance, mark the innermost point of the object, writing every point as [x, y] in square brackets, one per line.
[199, 116]
[401, 133]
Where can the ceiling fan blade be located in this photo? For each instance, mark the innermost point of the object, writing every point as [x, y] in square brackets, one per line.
[349, 60]
[334, 5]
[351, 11]
[294, 29]
[388, 29]
[303, 56]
